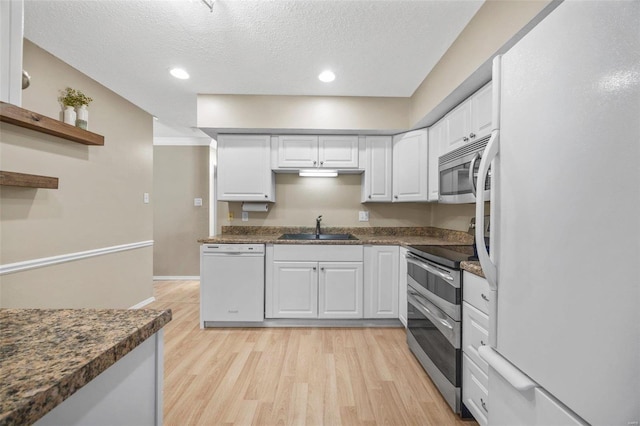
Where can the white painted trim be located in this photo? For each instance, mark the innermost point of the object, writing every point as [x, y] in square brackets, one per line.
[176, 277]
[54, 260]
[144, 303]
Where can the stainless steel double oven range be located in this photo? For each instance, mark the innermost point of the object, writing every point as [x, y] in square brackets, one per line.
[434, 327]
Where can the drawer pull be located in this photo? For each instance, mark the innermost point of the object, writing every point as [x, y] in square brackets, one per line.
[484, 297]
[484, 405]
[482, 343]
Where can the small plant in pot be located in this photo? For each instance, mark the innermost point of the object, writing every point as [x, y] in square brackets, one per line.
[70, 99]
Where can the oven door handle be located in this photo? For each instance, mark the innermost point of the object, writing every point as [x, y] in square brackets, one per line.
[414, 260]
[422, 306]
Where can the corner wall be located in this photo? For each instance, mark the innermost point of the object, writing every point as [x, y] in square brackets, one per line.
[99, 203]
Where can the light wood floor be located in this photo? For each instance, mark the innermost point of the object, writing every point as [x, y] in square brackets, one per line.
[287, 376]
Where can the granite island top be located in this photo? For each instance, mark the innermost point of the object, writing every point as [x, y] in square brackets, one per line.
[46, 355]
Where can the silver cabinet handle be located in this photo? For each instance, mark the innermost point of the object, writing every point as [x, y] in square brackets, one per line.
[315, 162]
[482, 343]
[315, 269]
[465, 139]
[369, 196]
[266, 196]
[428, 268]
[395, 196]
[472, 135]
[484, 405]
[322, 269]
[321, 163]
[484, 297]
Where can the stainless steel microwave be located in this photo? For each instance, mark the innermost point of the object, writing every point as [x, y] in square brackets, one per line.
[458, 172]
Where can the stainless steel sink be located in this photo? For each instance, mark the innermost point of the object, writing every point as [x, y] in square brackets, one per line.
[317, 237]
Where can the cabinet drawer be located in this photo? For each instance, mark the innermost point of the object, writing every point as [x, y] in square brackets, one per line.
[475, 326]
[475, 394]
[317, 253]
[476, 291]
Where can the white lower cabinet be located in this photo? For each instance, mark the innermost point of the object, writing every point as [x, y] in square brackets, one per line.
[314, 281]
[340, 290]
[295, 290]
[402, 286]
[381, 281]
[475, 326]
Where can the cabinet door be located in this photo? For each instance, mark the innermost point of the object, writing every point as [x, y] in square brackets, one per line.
[381, 282]
[402, 286]
[410, 166]
[376, 179]
[437, 140]
[244, 168]
[295, 290]
[481, 103]
[340, 290]
[297, 151]
[338, 152]
[458, 126]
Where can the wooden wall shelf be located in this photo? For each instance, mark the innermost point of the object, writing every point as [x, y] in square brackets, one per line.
[34, 121]
[27, 181]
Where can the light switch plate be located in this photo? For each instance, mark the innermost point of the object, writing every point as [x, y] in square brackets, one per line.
[363, 216]
[197, 202]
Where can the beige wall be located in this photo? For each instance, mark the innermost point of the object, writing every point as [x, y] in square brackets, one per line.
[180, 174]
[493, 25]
[302, 112]
[98, 203]
[300, 200]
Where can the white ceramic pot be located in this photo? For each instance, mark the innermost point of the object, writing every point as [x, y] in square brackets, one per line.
[69, 115]
[82, 120]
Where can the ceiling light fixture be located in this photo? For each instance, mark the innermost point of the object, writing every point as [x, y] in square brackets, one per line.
[209, 4]
[179, 73]
[317, 173]
[327, 76]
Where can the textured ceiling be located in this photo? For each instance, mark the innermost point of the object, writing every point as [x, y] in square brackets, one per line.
[375, 47]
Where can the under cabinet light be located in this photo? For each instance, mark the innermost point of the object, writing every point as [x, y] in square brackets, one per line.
[317, 173]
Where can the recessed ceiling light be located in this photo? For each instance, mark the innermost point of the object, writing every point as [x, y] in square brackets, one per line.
[327, 76]
[179, 73]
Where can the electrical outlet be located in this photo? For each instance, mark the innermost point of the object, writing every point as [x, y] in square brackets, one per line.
[145, 198]
[363, 216]
[245, 216]
[230, 216]
[197, 202]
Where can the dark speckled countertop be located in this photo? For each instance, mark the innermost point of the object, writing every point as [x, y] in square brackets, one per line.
[46, 355]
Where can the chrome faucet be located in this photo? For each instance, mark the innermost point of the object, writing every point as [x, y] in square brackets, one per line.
[318, 220]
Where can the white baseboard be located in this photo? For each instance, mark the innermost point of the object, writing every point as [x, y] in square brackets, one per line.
[176, 277]
[54, 260]
[143, 303]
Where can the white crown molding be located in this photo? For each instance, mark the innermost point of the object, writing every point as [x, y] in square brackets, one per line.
[54, 260]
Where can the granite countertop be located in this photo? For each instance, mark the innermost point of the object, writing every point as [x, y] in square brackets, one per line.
[473, 267]
[46, 355]
[373, 235]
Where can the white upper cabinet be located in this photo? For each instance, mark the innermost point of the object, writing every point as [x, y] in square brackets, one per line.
[376, 179]
[410, 166]
[437, 142]
[306, 151]
[338, 152]
[469, 121]
[297, 151]
[244, 168]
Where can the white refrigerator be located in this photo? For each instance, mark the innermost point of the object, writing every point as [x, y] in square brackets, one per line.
[565, 221]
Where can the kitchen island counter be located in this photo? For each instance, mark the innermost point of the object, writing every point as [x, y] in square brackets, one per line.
[46, 355]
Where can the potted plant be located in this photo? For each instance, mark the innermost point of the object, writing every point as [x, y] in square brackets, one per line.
[70, 99]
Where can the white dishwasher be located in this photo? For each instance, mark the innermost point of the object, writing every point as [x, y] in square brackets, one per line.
[231, 284]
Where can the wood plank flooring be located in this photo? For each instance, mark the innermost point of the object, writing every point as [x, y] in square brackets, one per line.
[290, 376]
